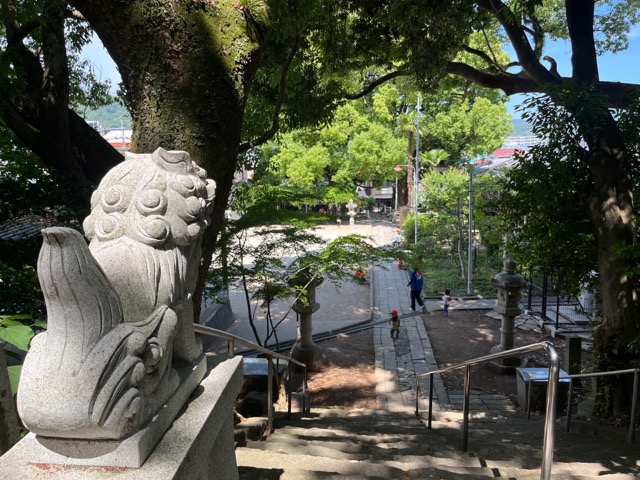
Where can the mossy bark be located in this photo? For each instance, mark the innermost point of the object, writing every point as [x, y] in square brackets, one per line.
[610, 208]
[187, 68]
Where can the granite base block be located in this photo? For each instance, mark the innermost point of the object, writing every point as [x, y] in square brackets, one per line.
[198, 445]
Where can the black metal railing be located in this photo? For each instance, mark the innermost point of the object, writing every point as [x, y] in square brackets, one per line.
[231, 342]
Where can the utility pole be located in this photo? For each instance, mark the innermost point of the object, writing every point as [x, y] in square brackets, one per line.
[417, 172]
[470, 253]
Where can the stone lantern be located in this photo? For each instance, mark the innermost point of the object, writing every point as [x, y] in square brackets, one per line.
[509, 285]
[305, 350]
[351, 206]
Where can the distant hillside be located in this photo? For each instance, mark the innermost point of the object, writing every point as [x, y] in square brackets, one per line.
[520, 128]
[111, 117]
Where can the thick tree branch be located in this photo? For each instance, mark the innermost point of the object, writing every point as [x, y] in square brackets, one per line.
[93, 153]
[403, 71]
[491, 62]
[508, 83]
[580, 23]
[54, 109]
[24, 131]
[618, 95]
[275, 125]
[75, 14]
[518, 37]
[23, 31]
[493, 55]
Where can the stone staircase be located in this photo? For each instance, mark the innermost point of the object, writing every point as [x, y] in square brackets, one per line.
[335, 443]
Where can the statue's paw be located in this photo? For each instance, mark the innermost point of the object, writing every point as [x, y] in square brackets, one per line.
[136, 344]
[152, 354]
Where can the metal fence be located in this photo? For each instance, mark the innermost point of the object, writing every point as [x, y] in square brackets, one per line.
[543, 298]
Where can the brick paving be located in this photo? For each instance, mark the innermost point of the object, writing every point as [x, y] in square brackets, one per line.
[400, 361]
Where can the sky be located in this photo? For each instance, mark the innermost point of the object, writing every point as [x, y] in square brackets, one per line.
[620, 67]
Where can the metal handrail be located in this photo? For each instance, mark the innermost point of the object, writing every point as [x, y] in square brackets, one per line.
[550, 413]
[634, 400]
[231, 341]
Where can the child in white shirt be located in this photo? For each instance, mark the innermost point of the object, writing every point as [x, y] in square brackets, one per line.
[446, 298]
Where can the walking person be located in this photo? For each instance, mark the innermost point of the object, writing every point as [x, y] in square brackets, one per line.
[416, 282]
[446, 298]
[394, 323]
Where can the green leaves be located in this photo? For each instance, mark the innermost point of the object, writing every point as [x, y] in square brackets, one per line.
[549, 185]
[14, 377]
[474, 127]
[13, 331]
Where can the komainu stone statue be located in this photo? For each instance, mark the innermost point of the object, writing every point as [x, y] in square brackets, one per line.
[119, 309]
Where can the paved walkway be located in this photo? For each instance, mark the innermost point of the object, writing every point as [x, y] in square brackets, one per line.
[400, 361]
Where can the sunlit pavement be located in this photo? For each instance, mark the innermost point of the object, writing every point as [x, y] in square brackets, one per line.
[349, 304]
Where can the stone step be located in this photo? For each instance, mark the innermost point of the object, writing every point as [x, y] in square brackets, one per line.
[332, 434]
[267, 464]
[257, 464]
[352, 449]
[385, 444]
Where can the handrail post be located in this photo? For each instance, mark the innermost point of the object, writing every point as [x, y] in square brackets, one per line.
[417, 397]
[231, 348]
[270, 394]
[289, 393]
[569, 395]
[304, 390]
[465, 408]
[550, 413]
[430, 399]
[529, 399]
[634, 408]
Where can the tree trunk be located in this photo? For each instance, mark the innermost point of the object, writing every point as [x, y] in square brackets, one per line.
[610, 208]
[35, 106]
[187, 72]
[9, 429]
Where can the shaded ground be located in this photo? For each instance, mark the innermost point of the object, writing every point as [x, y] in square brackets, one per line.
[464, 335]
[346, 374]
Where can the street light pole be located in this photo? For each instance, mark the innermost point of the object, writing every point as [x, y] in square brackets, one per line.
[395, 211]
[397, 168]
[417, 172]
[470, 253]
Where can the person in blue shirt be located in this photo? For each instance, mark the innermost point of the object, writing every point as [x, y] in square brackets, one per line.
[415, 282]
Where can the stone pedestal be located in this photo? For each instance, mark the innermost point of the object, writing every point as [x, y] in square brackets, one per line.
[305, 351]
[199, 443]
[508, 284]
[351, 206]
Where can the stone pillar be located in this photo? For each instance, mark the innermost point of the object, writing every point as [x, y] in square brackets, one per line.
[573, 357]
[305, 350]
[573, 354]
[509, 285]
